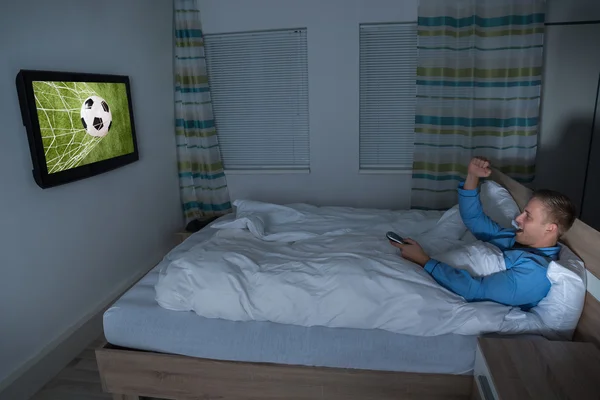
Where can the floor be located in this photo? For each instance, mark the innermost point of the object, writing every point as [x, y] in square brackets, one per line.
[79, 380]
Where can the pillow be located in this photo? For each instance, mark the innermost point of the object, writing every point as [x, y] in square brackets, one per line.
[561, 308]
[478, 258]
[497, 203]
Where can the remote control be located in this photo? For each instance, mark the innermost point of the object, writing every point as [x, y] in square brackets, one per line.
[394, 237]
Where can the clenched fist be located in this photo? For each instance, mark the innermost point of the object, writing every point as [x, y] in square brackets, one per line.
[479, 167]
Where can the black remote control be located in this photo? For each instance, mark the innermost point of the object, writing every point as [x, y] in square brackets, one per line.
[394, 237]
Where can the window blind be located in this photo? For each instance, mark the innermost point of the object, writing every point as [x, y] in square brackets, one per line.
[259, 89]
[388, 64]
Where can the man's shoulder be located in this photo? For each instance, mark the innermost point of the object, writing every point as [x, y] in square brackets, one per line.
[526, 258]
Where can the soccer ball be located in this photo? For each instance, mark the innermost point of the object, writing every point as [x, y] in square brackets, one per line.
[96, 116]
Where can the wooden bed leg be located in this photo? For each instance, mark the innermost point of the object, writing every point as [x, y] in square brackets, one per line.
[125, 397]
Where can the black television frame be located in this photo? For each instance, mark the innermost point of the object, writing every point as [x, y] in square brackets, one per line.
[30, 120]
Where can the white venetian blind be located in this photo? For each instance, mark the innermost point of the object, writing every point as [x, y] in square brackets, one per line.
[388, 64]
[259, 89]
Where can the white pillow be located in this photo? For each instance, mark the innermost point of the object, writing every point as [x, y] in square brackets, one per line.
[561, 308]
[497, 203]
[478, 258]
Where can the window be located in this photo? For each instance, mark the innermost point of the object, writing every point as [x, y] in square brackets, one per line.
[388, 64]
[259, 89]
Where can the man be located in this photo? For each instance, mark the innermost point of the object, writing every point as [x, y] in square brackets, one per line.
[527, 250]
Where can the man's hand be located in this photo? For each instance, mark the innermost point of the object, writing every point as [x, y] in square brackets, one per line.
[412, 251]
[479, 167]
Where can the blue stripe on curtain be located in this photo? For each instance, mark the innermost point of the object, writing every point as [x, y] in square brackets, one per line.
[476, 20]
[475, 122]
[188, 33]
[192, 123]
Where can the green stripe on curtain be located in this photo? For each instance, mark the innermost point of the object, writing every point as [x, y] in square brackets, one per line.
[478, 92]
[202, 182]
[479, 73]
[191, 80]
[189, 43]
[477, 98]
[474, 147]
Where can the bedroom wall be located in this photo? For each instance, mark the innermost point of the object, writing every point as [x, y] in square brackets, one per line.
[69, 250]
[568, 104]
[572, 68]
[333, 98]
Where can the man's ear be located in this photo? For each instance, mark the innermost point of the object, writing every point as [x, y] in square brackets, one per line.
[552, 228]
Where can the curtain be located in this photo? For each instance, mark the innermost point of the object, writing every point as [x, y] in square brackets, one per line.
[479, 76]
[202, 180]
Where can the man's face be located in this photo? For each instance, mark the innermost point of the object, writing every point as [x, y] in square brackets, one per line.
[535, 230]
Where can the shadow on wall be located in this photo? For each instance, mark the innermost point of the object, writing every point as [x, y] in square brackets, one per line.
[561, 165]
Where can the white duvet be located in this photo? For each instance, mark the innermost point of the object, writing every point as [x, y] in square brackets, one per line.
[332, 266]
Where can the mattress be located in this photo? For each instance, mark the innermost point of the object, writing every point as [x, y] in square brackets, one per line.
[137, 321]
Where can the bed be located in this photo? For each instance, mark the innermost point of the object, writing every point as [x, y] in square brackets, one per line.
[165, 354]
[137, 321]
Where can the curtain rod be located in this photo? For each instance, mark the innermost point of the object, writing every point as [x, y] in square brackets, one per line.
[573, 23]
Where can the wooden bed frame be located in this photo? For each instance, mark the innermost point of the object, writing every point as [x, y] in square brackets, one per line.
[129, 373]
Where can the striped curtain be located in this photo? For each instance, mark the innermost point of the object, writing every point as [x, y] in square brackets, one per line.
[202, 181]
[479, 73]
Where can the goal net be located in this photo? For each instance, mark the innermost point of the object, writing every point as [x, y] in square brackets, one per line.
[66, 143]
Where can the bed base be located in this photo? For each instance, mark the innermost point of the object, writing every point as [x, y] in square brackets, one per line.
[128, 373]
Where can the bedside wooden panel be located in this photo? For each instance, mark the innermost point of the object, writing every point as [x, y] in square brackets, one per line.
[541, 369]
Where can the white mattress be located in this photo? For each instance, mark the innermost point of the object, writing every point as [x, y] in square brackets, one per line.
[137, 321]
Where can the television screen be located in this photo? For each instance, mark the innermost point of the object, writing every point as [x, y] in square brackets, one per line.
[78, 125]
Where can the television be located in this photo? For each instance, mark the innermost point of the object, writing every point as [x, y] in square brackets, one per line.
[78, 125]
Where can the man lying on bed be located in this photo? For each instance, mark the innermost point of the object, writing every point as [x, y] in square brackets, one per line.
[527, 251]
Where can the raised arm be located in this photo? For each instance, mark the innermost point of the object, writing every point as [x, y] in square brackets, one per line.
[471, 211]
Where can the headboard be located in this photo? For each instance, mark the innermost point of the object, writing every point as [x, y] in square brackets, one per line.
[585, 242]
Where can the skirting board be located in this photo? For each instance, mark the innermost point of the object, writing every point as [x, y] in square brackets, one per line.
[32, 375]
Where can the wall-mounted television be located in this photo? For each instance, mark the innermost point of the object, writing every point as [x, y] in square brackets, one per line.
[78, 125]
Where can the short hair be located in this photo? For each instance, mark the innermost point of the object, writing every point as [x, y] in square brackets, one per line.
[561, 210]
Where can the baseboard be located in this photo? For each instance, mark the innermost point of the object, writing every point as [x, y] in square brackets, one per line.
[34, 373]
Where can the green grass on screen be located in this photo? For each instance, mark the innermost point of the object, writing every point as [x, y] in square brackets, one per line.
[66, 143]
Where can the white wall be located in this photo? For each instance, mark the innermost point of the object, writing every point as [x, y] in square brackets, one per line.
[64, 250]
[333, 66]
